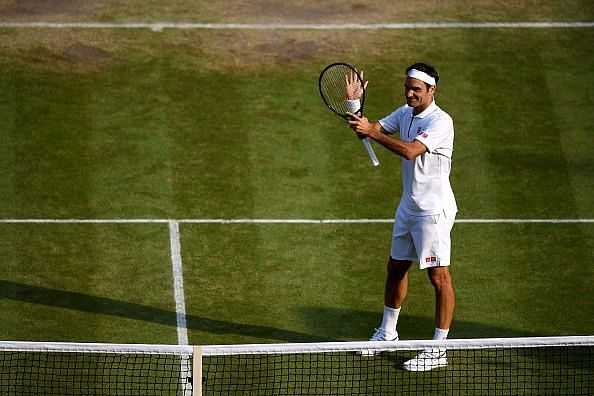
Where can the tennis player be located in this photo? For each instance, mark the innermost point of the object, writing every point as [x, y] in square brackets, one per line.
[427, 209]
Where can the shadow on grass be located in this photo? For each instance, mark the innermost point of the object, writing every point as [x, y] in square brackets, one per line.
[108, 306]
[347, 324]
[338, 324]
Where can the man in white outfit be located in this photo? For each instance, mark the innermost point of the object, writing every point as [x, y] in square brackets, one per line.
[427, 209]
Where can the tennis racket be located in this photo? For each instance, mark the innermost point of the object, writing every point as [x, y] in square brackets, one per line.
[339, 82]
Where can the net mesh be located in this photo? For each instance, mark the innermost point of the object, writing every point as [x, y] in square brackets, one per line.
[490, 369]
[97, 370]
[527, 366]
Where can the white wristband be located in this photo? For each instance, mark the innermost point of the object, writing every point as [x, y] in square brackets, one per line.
[353, 105]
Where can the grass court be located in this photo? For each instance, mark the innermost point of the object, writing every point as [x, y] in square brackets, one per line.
[228, 124]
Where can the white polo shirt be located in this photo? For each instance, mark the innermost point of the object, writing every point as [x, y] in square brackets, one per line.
[426, 178]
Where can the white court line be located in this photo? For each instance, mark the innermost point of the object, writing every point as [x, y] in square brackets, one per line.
[270, 221]
[178, 283]
[180, 302]
[350, 221]
[525, 221]
[159, 26]
[96, 221]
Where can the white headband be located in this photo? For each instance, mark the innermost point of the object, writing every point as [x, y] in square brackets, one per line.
[419, 75]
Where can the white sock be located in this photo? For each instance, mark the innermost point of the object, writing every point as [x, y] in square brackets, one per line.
[441, 334]
[390, 320]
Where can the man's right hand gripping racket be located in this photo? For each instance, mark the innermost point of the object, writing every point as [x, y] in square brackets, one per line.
[343, 91]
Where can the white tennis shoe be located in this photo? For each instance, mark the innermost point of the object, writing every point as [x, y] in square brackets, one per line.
[427, 360]
[379, 335]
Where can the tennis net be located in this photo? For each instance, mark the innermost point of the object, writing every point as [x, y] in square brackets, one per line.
[37, 368]
[495, 366]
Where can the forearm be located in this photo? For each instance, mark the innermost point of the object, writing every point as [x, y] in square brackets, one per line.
[374, 130]
[407, 150]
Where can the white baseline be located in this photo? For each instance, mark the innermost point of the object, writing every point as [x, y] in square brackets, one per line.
[159, 26]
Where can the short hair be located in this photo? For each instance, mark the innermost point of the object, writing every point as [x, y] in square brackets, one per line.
[426, 69]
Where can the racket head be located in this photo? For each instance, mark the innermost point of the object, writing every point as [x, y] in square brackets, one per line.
[333, 88]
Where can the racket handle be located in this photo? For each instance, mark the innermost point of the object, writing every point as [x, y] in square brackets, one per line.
[370, 151]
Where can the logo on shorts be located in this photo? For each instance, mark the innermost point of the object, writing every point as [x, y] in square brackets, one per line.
[432, 260]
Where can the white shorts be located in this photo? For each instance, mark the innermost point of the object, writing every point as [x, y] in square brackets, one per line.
[425, 239]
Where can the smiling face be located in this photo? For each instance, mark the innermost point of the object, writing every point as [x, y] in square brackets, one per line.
[417, 94]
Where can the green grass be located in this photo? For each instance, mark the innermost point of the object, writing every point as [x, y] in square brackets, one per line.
[164, 130]
[308, 11]
[295, 283]
[228, 124]
[334, 11]
[87, 283]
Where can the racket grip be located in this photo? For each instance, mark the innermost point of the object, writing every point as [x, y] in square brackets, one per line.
[370, 151]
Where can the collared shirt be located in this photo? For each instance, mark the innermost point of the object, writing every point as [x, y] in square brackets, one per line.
[426, 188]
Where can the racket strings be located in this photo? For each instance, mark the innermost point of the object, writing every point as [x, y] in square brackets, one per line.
[333, 86]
